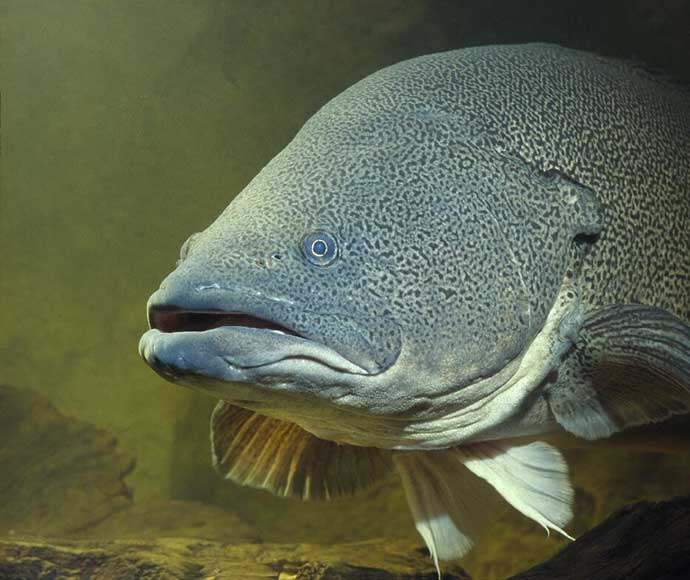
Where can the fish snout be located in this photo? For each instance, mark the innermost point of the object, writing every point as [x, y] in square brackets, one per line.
[196, 298]
[170, 365]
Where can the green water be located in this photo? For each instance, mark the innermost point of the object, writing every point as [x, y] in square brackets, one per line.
[128, 125]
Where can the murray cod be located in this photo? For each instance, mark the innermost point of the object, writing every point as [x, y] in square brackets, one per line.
[453, 258]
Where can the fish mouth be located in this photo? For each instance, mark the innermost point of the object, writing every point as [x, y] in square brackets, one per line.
[234, 346]
[173, 319]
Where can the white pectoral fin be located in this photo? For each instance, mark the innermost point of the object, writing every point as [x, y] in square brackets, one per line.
[533, 478]
[451, 497]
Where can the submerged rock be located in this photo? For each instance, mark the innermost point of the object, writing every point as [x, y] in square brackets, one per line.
[58, 476]
[174, 518]
[63, 479]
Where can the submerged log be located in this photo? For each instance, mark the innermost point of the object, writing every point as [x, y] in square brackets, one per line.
[643, 541]
[185, 559]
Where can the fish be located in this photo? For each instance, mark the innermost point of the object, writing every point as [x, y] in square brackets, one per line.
[455, 257]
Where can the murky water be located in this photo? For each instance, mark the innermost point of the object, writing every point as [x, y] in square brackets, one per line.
[128, 125]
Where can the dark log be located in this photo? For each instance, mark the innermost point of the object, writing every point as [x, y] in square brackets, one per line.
[643, 541]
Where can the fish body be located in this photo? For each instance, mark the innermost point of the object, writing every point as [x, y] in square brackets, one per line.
[460, 249]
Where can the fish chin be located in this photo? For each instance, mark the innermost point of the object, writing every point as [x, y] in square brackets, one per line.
[277, 375]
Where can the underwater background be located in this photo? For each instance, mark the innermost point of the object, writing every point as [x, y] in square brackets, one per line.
[128, 125]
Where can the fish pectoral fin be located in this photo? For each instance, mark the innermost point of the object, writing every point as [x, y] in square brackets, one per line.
[532, 478]
[281, 457]
[452, 493]
[631, 366]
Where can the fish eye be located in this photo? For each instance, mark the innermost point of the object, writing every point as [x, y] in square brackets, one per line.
[320, 248]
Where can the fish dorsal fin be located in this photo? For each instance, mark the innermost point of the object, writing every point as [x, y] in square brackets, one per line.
[631, 366]
[268, 453]
[451, 497]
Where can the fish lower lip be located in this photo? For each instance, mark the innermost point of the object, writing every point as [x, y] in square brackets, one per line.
[173, 354]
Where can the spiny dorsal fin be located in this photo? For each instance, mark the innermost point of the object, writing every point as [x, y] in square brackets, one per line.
[260, 451]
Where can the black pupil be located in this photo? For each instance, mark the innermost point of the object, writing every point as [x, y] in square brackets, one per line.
[319, 247]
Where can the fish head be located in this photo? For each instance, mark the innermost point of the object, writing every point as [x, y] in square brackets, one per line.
[359, 284]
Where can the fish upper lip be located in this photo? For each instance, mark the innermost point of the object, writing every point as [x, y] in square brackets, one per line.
[176, 322]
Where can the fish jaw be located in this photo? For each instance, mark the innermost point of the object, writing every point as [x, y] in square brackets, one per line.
[242, 354]
[245, 346]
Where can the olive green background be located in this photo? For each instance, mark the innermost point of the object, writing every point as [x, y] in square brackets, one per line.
[127, 125]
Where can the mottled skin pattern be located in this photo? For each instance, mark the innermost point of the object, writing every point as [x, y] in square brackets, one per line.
[463, 188]
[615, 129]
